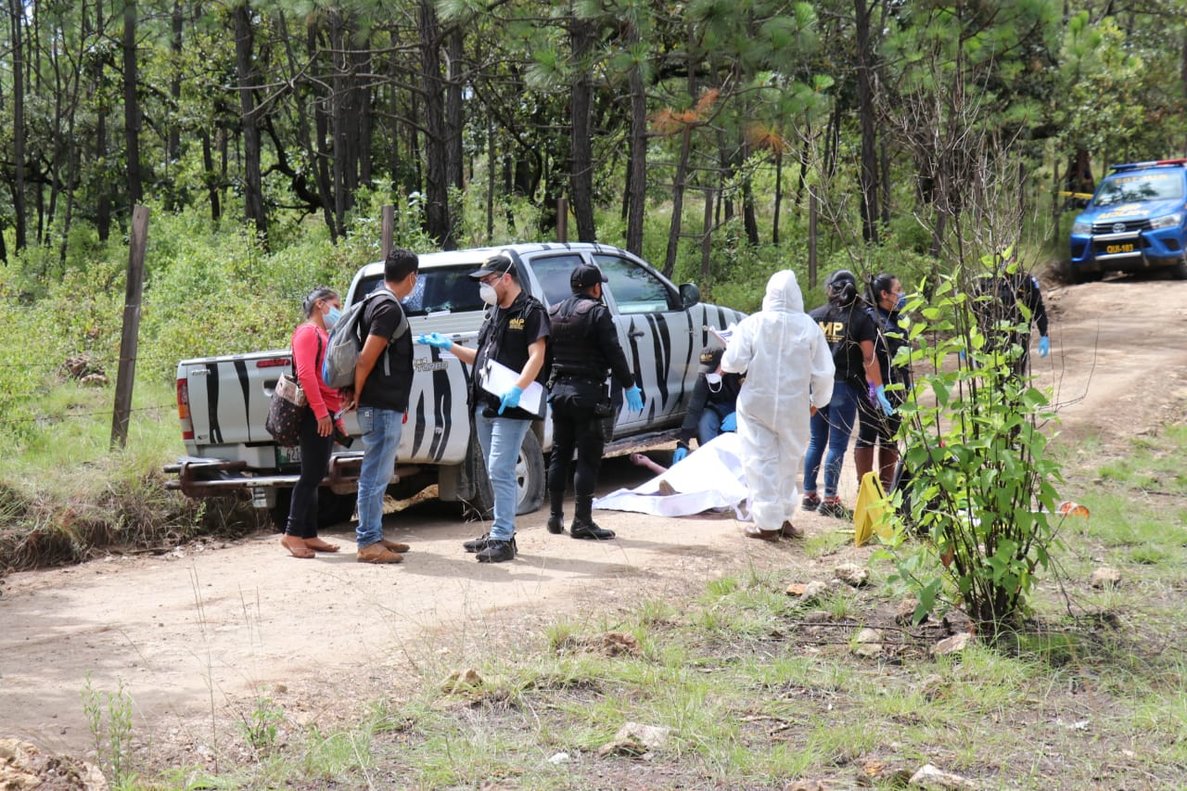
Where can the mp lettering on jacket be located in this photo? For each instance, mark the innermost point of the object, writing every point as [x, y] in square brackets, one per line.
[834, 331]
[515, 324]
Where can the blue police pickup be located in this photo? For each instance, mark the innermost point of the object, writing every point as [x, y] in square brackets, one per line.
[1136, 220]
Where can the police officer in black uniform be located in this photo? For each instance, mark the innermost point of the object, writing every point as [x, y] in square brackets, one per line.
[585, 350]
[998, 304]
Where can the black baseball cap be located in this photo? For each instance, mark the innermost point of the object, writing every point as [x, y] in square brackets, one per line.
[495, 265]
[586, 275]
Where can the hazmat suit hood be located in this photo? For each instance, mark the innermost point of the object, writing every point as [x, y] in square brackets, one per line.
[789, 369]
[783, 293]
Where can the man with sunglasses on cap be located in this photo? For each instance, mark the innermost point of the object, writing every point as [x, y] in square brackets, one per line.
[712, 409]
[585, 350]
[515, 335]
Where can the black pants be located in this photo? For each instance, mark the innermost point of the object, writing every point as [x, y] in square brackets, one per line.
[575, 428]
[315, 460]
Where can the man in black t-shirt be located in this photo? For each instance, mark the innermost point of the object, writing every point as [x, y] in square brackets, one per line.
[515, 335]
[851, 333]
[382, 384]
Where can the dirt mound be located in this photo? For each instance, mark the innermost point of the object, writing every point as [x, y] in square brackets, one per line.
[25, 766]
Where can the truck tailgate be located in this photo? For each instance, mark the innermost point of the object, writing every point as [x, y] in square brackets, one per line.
[229, 396]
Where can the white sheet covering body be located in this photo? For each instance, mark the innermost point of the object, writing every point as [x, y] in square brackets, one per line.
[789, 368]
[708, 479]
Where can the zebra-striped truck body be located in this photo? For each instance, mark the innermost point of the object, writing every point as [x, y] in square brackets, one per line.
[663, 329]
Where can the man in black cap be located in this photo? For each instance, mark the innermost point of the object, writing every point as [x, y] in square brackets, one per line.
[585, 351]
[713, 407]
[515, 335]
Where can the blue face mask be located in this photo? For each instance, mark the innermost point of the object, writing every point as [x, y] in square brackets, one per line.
[901, 303]
[331, 317]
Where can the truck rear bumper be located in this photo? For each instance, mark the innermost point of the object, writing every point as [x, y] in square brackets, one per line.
[198, 477]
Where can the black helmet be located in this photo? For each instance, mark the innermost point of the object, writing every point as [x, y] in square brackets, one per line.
[841, 287]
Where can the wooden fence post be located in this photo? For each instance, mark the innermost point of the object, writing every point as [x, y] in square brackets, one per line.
[388, 228]
[129, 340]
[562, 219]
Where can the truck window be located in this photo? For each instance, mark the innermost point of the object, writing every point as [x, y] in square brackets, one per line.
[553, 273]
[444, 289]
[1140, 187]
[635, 289]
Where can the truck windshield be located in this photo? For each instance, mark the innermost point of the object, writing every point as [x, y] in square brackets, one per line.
[444, 289]
[1139, 187]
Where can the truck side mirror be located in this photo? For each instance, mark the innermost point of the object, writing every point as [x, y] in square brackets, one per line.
[689, 295]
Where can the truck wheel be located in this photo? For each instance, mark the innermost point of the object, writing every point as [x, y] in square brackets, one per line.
[334, 509]
[529, 478]
[1179, 270]
[280, 511]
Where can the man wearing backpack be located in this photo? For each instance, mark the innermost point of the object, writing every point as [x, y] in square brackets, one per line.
[514, 335]
[382, 385]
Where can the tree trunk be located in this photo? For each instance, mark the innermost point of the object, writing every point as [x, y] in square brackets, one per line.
[749, 218]
[131, 105]
[339, 112]
[16, 11]
[211, 177]
[678, 202]
[320, 154]
[637, 182]
[253, 194]
[454, 121]
[778, 196]
[436, 181]
[868, 174]
[581, 134]
[173, 144]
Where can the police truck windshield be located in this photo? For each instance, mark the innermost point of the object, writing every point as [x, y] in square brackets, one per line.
[1139, 187]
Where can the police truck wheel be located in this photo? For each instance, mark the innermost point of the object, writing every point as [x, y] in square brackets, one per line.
[334, 509]
[529, 480]
[529, 475]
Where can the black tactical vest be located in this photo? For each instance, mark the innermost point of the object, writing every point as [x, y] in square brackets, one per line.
[576, 352]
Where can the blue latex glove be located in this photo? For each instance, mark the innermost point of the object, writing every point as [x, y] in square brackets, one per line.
[510, 399]
[634, 399]
[1044, 346]
[883, 401]
[434, 339]
[681, 452]
[730, 422]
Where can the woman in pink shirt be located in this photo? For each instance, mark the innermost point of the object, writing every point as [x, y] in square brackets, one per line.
[322, 309]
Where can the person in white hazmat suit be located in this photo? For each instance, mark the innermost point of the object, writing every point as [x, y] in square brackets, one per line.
[789, 374]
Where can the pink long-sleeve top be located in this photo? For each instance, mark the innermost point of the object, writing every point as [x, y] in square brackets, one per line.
[307, 360]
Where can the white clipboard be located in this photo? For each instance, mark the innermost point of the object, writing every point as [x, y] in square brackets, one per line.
[497, 379]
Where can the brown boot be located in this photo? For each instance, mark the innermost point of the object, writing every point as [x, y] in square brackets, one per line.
[394, 546]
[764, 535]
[788, 530]
[863, 462]
[377, 553]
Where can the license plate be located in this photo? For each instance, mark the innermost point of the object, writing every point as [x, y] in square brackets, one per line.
[287, 456]
[1128, 247]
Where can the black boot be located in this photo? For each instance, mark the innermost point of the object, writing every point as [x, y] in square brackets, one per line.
[583, 524]
[556, 515]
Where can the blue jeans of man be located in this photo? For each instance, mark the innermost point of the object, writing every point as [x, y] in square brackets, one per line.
[708, 427]
[830, 427]
[381, 439]
[500, 439]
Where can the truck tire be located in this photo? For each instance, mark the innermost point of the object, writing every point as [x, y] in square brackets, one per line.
[332, 509]
[529, 474]
[1179, 270]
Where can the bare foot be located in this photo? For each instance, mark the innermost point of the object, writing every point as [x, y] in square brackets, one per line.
[317, 545]
[296, 546]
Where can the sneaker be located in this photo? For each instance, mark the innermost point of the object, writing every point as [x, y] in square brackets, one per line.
[590, 531]
[832, 507]
[556, 524]
[377, 553]
[394, 546]
[788, 530]
[497, 551]
[811, 502]
[481, 543]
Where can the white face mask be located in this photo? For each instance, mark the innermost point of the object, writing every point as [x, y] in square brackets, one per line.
[714, 381]
[487, 294]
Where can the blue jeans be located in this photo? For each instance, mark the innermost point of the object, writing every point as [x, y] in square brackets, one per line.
[708, 427]
[831, 428]
[381, 438]
[500, 439]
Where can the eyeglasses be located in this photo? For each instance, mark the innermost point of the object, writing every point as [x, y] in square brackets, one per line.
[490, 279]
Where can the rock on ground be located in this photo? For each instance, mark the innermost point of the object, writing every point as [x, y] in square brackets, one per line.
[26, 766]
[929, 776]
[1105, 577]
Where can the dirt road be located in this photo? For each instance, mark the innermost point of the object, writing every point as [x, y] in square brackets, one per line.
[214, 627]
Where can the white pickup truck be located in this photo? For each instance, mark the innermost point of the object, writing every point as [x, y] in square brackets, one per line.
[222, 401]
